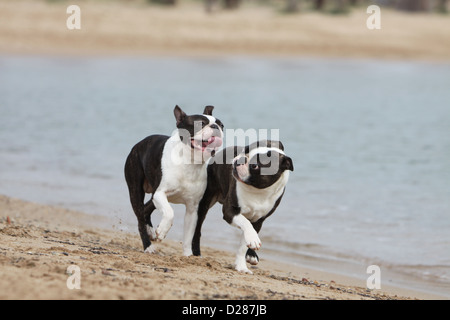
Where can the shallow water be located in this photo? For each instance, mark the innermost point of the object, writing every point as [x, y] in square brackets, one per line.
[369, 139]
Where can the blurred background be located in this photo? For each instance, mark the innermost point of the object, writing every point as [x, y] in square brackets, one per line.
[417, 29]
[365, 115]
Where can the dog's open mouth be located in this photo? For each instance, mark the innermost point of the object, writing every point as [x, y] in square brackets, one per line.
[207, 145]
[239, 168]
[236, 175]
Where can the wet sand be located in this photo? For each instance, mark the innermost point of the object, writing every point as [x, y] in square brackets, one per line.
[38, 243]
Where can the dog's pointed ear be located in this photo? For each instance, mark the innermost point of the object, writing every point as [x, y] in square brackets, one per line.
[208, 110]
[279, 145]
[179, 115]
[272, 144]
[287, 164]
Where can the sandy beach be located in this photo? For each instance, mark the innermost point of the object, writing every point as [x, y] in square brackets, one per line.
[136, 28]
[38, 243]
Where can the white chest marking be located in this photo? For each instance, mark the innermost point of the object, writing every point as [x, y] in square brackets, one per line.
[182, 181]
[257, 203]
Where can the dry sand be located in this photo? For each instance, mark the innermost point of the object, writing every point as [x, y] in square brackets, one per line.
[38, 243]
[135, 28]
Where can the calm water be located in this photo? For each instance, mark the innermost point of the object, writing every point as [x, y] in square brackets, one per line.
[370, 142]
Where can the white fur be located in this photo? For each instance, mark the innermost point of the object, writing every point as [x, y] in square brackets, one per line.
[184, 180]
[240, 262]
[210, 118]
[255, 151]
[256, 203]
[151, 249]
[251, 238]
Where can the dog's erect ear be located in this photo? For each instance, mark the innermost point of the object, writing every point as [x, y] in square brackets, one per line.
[208, 110]
[272, 144]
[179, 115]
[287, 164]
[278, 144]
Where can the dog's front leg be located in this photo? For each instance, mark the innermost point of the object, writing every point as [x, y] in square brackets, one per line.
[190, 223]
[249, 239]
[162, 204]
[249, 233]
[240, 262]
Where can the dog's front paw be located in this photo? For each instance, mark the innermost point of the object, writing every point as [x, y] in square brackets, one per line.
[187, 252]
[252, 240]
[243, 269]
[162, 230]
[150, 249]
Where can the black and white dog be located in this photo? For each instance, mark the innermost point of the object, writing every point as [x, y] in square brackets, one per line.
[249, 182]
[173, 169]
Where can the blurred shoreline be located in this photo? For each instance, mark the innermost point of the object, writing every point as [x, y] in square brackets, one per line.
[136, 28]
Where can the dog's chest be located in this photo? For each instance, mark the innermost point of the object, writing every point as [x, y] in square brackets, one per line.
[183, 181]
[254, 205]
[188, 184]
[257, 203]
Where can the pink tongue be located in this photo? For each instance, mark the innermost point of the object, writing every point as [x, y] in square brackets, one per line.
[215, 142]
[207, 143]
[212, 142]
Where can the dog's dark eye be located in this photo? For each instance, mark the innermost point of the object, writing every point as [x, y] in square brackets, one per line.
[254, 166]
[269, 153]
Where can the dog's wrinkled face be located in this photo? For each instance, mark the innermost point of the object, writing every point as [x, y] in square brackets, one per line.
[202, 132]
[261, 167]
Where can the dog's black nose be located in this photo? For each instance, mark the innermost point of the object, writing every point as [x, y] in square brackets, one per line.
[214, 126]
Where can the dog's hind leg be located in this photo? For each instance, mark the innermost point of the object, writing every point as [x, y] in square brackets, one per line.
[205, 204]
[145, 228]
[252, 257]
[134, 176]
[201, 214]
[144, 224]
[149, 207]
